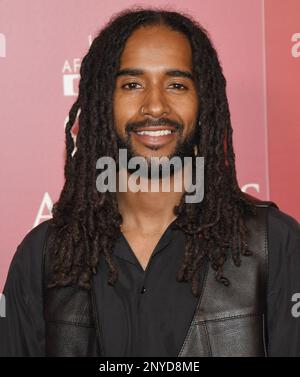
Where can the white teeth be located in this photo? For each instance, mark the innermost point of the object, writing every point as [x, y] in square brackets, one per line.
[155, 133]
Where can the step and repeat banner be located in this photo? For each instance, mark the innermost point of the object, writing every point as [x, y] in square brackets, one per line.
[42, 43]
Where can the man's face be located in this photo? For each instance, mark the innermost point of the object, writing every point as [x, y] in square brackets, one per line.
[155, 103]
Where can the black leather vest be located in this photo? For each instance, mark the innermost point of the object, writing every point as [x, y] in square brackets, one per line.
[228, 321]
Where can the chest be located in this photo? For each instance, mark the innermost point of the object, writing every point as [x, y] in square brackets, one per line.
[142, 246]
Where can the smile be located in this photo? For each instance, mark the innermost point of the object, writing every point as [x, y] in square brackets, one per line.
[155, 136]
[155, 133]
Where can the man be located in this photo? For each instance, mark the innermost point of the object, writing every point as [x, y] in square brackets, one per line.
[146, 273]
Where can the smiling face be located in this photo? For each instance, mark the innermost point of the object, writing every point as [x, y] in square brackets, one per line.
[155, 102]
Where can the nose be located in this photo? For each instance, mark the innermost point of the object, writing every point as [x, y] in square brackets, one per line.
[155, 104]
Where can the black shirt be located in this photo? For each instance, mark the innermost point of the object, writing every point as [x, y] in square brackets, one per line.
[148, 313]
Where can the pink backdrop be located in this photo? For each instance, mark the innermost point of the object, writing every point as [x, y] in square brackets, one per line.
[41, 46]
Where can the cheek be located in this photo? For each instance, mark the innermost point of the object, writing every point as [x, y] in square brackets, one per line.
[192, 105]
[123, 110]
[189, 114]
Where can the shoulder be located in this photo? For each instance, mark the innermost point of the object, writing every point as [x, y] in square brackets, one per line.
[283, 245]
[278, 221]
[282, 224]
[28, 256]
[283, 230]
[24, 280]
[37, 234]
[284, 249]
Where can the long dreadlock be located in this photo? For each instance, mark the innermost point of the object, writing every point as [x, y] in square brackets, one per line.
[86, 222]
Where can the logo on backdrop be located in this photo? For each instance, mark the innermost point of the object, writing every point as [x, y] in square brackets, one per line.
[253, 186]
[2, 46]
[44, 212]
[71, 77]
[71, 74]
[296, 47]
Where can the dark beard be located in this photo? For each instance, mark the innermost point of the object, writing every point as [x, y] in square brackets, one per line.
[184, 148]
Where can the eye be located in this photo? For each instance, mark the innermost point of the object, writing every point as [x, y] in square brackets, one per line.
[130, 85]
[179, 86]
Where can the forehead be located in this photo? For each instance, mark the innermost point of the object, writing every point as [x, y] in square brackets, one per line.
[157, 46]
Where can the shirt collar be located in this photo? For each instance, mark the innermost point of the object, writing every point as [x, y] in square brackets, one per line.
[123, 250]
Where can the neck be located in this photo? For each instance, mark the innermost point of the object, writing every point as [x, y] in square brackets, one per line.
[148, 211]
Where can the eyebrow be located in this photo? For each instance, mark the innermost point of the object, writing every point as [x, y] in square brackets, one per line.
[170, 72]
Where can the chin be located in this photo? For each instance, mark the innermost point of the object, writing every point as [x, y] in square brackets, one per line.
[154, 152]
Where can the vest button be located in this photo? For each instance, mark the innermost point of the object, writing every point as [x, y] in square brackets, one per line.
[143, 290]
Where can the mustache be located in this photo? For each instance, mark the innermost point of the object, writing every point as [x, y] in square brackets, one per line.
[134, 126]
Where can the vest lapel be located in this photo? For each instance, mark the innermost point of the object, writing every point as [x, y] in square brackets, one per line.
[229, 321]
